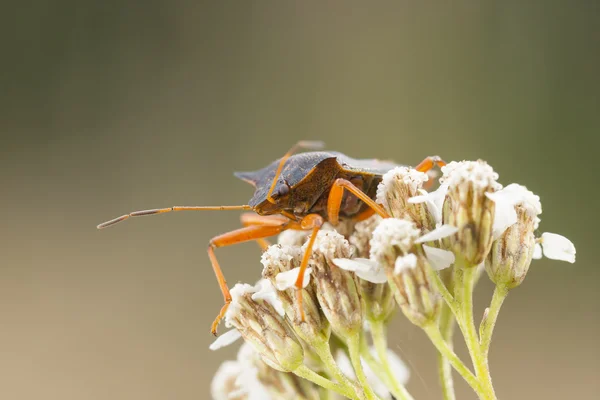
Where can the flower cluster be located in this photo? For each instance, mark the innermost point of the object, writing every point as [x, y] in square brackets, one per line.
[423, 260]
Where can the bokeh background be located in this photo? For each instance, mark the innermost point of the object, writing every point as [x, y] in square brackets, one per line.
[111, 106]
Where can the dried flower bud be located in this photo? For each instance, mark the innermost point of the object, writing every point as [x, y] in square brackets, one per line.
[378, 297]
[468, 208]
[395, 245]
[337, 289]
[511, 254]
[396, 187]
[284, 262]
[261, 323]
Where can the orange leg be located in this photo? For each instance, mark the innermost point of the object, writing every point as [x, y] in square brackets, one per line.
[427, 165]
[364, 215]
[430, 162]
[336, 194]
[249, 219]
[313, 222]
[303, 144]
[241, 235]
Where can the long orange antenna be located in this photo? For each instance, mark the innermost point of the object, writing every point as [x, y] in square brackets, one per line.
[142, 213]
[303, 144]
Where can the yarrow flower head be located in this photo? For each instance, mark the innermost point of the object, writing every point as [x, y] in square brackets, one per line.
[397, 246]
[396, 188]
[468, 208]
[259, 319]
[517, 211]
[337, 290]
[281, 267]
[376, 293]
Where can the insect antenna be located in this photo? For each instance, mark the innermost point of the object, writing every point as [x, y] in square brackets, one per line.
[142, 213]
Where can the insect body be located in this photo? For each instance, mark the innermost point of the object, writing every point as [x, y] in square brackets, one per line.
[298, 192]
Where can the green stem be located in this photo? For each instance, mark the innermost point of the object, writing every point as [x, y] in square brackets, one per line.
[441, 287]
[380, 342]
[487, 325]
[324, 353]
[467, 276]
[446, 323]
[304, 372]
[353, 343]
[433, 331]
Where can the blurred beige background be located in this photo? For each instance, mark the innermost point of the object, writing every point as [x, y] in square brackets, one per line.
[112, 106]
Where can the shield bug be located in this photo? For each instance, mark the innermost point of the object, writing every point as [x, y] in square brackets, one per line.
[301, 192]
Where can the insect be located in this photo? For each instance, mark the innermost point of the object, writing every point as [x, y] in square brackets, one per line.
[300, 192]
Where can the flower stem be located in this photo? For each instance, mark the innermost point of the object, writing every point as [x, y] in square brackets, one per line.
[441, 287]
[433, 331]
[324, 353]
[465, 281]
[446, 324]
[380, 342]
[304, 372]
[487, 325]
[353, 343]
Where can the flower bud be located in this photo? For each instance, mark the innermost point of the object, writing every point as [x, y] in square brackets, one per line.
[511, 254]
[396, 187]
[468, 208]
[378, 297]
[281, 266]
[393, 245]
[261, 323]
[337, 290]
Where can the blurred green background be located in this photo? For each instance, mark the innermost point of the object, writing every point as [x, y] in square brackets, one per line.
[112, 106]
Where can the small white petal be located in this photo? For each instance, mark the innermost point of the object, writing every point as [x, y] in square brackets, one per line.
[364, 268]
[557, 247]
[225, 339]
[404, 263]
[506, 199]
[438, 233]
[537, 251]
[439, 258]
[267, 292]
[434, 200]
[504, 214]
[286, 280]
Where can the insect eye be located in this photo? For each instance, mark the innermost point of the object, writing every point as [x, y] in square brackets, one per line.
[282, 191]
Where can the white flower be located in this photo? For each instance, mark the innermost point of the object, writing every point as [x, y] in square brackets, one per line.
[262, 290]
[397, 366]
[239, 379]
[555, 247]
[439, 258]
[506, 199]
[225, 339]
[364, 268]
[287, 279]
[224, 381]
[266, 292]
[393, 232]
[403, 263]
[434, 201]
[479, 174]
[438, 233]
